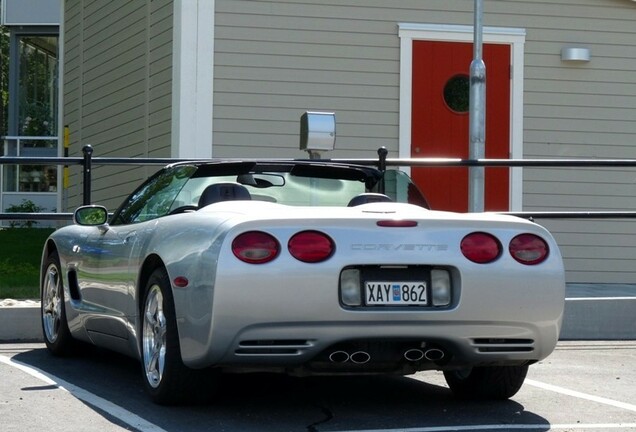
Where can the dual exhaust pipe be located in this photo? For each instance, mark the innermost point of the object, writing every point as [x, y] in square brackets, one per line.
[362, 357]
[358, 357]
[430, 354]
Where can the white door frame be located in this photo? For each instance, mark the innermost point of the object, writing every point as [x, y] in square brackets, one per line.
[514, 37]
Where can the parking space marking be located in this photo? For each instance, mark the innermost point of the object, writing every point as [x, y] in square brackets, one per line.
[540, 426]
[568, 392]
[89, 398]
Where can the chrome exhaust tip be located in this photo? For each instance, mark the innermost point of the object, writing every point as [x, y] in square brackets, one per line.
[360, 357]
[339, 357]
[414, 354]
[434, 354]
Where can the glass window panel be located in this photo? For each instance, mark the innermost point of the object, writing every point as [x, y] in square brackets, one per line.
[457, 93]
[37, 85]
[38, 178]
[34, 110]
[4, 81]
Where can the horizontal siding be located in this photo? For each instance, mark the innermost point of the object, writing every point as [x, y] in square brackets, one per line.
[117, 89]
[583, 111]
[596, 251]
[276, 59]
[160, 80]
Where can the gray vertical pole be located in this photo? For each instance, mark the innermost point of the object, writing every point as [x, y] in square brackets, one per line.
[477, 115]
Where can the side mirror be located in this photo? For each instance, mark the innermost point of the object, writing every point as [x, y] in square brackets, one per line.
[91, 215]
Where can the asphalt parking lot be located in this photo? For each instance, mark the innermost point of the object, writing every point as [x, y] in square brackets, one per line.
[582, 386]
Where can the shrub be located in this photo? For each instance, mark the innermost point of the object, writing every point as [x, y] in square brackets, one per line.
[27, 206]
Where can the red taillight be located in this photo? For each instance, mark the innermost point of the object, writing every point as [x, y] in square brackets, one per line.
[529, 249]
[481, 247]
[255, 247]
[311, 246]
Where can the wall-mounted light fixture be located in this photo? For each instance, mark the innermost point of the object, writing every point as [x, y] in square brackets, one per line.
[317, 133]
[575, 54]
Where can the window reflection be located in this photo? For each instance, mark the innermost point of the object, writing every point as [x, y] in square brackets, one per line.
[37, 85]
[28, 123]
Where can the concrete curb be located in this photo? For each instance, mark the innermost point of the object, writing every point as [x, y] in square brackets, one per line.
[589, 318]
[20, 323]
[604, 318]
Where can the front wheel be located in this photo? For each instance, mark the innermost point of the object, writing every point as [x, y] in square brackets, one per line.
[486, 383]
[166, 379]
[57, 335]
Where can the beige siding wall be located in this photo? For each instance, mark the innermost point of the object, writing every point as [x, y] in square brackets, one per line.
[276, 59]
[117, 89]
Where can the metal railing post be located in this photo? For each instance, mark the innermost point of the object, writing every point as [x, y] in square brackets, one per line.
[88, 153]
[382, 154]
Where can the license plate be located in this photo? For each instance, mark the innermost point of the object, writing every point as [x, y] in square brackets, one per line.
[396, 293]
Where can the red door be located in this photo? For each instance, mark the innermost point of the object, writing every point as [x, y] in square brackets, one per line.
[440, 121]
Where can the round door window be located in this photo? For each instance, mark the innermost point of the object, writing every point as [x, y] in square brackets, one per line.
[457, 92]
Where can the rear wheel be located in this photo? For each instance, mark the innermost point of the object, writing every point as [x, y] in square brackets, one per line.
[57, 335]
[489, 382]
[166, 378]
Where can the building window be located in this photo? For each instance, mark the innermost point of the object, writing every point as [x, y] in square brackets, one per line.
[4, 80]
[29, 109]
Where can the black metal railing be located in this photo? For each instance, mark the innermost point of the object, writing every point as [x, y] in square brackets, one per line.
[382, 162]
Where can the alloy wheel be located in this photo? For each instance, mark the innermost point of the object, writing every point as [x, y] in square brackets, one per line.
[51, 303]
[154, 337]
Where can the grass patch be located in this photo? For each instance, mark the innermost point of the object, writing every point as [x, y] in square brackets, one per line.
[20, 254]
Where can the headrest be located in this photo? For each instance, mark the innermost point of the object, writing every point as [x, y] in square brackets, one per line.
[368, 197]
[223, 192]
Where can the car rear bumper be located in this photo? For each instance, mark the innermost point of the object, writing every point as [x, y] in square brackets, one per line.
[351, 347]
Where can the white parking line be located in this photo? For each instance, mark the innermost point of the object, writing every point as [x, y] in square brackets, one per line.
[93, 400]
[568, 392]
[542, 427]
[538, 426]
[142, 425]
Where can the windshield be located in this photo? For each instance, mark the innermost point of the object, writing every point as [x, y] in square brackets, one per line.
[282, 188]
[180, 187]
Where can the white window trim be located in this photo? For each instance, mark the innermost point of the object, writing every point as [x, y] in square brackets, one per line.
[192, 78]
[514, 37]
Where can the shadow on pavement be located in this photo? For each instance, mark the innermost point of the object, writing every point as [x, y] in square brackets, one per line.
[273, 402]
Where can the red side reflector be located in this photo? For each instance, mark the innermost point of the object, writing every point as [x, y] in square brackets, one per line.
[181, 281]
[481, 247]
[529, 249]
[392, 223]
[311, 246]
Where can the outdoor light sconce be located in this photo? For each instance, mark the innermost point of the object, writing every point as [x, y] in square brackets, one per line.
[317, 133]
[575, 54]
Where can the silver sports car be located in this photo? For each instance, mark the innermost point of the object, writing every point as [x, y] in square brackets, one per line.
[302, 267]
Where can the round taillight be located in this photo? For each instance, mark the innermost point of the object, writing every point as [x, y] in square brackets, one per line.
[311, 246]
[480, 247]
[529, 249]
[255, 247]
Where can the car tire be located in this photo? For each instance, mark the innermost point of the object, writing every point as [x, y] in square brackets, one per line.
[486, 383]
[166, 379]
[57, 335]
